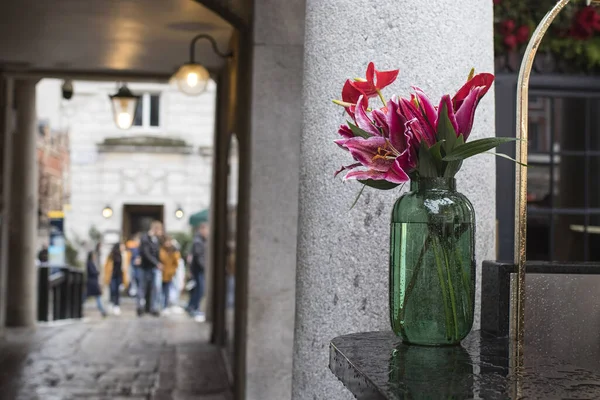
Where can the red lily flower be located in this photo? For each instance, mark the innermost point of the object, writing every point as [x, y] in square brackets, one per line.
[376, 80]
[484, 80]
[351, 97]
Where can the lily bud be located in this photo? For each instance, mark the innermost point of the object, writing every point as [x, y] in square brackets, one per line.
[471, 74]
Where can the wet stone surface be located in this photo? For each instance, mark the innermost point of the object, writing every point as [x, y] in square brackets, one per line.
[376, 365]
[121, 357]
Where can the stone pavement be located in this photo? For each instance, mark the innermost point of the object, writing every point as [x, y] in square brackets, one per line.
[122, 357]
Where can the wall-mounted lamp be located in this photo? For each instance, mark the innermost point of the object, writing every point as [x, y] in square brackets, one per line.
[192, 78]
[124, 104]
[67, 89]
[107, 212]
[179, 213]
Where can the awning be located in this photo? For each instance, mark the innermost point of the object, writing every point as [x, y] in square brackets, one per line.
[199, 217]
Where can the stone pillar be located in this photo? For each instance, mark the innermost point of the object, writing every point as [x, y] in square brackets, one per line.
[268, 206]
[342, 270]
[7, 129]
[219, 228]
[22, 271]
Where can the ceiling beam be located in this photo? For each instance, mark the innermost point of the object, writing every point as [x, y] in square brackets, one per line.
[224, 12]
[111, 75]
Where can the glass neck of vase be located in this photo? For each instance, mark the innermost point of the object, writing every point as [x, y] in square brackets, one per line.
[428, 184]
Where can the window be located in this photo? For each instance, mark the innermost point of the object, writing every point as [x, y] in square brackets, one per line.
[147, 113]
[563, 195]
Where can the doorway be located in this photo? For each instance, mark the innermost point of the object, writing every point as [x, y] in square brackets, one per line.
[138, 217]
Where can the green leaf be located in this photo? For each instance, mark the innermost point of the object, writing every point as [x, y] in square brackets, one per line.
[507, 157]
[446, 131]
[427, 165]
[359, 132]
[381, 185]
[475, 147]
[358, 196]
[436, 154]
[451, 168]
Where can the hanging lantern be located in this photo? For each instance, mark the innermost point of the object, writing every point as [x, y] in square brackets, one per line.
[124, 105]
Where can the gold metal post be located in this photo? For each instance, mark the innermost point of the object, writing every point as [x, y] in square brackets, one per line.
[517, 321]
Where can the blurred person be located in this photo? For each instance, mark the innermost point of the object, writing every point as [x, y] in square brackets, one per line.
[230, 270]
[197, 267]
[178, 282]
[43, 254]
[115, 274]
[169, 258]
[149, 266]
[92, 284]
[135, 261]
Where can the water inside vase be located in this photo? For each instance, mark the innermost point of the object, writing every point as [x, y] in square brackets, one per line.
[432, 275]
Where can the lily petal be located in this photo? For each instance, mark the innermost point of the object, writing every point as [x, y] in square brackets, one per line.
[376, 80]
[368, 152]
[345, 131]
[425, 106]
[422, 128]
[349, 93]
[396, 126]
[483, 79]
[346, 167]
[466, 113]
[385, 78]
[448, 102]
[362, 119]
[397, 174]
[365, 174]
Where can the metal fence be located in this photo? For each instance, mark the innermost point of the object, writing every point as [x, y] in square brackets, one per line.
[60, 293]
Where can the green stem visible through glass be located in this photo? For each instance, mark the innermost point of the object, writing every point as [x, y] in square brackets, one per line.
[448, 291]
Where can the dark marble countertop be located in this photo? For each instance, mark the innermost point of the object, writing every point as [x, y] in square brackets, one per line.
[376, 365]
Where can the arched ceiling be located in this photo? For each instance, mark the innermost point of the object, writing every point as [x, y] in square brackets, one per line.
[134, 36]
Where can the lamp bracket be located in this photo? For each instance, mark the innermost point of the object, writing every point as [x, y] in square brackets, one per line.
[212, 41]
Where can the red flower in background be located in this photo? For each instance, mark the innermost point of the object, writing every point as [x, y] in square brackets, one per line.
[585, 24]
[522, 34]
[496, 2]
[507, 27]
[510, 42]
[511, 39]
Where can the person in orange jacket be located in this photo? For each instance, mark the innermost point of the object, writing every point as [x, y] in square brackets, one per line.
[169, 258]
[115, 274]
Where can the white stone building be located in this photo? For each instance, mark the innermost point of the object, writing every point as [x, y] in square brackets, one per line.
[161, 165]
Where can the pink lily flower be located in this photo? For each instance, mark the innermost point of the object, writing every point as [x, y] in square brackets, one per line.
[376, 80]
[461, 108]
[423, 128]
[390, 153]
[382, 161]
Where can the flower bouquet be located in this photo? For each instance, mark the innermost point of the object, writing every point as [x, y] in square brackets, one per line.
[432, 261]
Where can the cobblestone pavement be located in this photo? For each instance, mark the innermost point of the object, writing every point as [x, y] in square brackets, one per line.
[121, 357]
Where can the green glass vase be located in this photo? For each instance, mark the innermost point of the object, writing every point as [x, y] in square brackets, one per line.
[432, 264]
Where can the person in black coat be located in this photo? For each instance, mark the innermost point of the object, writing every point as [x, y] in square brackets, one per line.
[149, 268]
[93, 284]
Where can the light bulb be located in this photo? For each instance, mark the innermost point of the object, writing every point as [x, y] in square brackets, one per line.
[124, 120]
[192, 79]
[107, 212]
